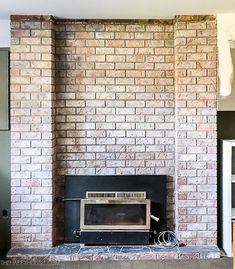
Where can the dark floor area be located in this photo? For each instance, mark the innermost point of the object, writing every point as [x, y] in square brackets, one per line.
[222, 263]
[3, 253]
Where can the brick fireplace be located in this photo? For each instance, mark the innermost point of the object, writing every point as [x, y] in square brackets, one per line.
[113, 97]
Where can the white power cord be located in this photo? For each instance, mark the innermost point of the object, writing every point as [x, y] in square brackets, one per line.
[167, 239]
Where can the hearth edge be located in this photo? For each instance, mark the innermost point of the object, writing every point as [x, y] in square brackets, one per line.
[79, 252]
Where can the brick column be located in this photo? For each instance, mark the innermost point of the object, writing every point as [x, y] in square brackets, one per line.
[196, 88]
[32, 130]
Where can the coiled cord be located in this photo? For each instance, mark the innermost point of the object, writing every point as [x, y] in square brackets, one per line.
[167, 239]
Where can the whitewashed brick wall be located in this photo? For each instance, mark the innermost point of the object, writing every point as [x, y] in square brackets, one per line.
[115, 102]
[196, 96]
[32, 130]
[131, 98]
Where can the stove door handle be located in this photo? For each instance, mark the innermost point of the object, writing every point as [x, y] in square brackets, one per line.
[154, 218]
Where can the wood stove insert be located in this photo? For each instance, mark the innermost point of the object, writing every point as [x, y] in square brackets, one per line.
[114, 209]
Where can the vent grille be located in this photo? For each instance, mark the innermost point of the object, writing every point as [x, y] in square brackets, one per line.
[100, 195]
[116, 195]
[140, 195]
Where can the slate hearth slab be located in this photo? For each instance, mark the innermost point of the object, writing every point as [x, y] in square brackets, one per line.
[115, 249]
[130, 249]
[191, 249]
[66, 249]
[29, 252]
[94, 250]
[203, 252]
[155, 248]
[79, 252]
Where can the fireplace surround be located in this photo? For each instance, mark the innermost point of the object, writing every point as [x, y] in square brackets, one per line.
[108, 98]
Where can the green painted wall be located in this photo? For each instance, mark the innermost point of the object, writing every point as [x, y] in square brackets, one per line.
[4, 92]
[5, 186]
[5, 232]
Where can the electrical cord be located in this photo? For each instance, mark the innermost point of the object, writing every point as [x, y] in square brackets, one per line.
[167, 239]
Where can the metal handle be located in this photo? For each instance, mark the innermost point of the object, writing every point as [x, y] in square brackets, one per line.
[76, 233]
[154, 218]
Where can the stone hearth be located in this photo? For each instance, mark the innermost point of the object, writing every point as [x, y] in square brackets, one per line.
[78, 252]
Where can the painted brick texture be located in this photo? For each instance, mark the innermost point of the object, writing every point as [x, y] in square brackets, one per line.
[32, 131]
[115, 102]
[125, 98]
[115, 99]
[196, 94]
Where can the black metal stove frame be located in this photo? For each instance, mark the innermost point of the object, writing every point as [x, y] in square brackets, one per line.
[76, 188]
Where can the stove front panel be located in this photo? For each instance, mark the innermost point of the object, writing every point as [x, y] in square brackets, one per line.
[115, 214]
